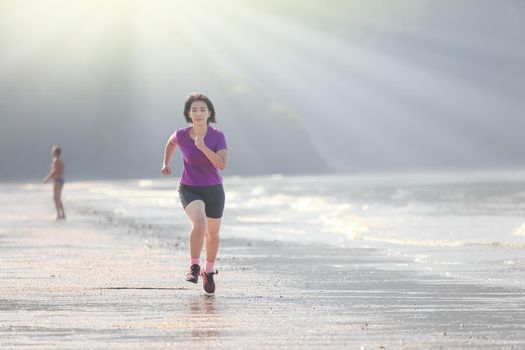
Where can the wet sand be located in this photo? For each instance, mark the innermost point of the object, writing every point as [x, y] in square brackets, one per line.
[93, 282]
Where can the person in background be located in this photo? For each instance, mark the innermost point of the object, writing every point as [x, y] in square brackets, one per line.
[57, 175]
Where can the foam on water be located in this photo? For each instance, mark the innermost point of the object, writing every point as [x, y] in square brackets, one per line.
[520, 231]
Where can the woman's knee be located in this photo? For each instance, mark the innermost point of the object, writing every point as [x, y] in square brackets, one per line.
[212, 236]
[199, 226]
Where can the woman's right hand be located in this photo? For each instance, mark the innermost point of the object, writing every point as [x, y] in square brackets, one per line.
[166, 170]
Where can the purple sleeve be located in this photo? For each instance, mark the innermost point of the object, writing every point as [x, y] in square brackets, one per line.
[221, 143]
[173, 137]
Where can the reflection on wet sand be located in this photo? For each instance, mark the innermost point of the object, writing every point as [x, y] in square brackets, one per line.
[203, 317]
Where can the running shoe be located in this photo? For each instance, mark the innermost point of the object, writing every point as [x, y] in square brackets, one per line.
[207, 281]
[193, 273]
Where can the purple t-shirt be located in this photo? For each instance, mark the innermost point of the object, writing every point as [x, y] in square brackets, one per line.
[198, 169]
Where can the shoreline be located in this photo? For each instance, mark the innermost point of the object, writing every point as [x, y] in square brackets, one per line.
[87, 283]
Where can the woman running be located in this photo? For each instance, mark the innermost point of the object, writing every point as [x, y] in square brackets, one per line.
[204, 152]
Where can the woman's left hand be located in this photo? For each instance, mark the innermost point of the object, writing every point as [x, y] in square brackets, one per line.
[199, 143]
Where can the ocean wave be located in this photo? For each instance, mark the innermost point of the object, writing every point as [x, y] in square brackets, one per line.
[520, 231]
[259, 219]
[437, 243]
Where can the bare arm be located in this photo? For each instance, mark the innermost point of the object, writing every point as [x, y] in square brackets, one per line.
[218, 159]
[52, 173]
[168, 153]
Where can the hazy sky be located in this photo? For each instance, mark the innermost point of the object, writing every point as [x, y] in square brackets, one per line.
[299, 86]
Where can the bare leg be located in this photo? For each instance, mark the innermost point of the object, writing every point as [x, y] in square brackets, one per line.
[60, 205]
[212, 239]
[197, 216]
[57, 189]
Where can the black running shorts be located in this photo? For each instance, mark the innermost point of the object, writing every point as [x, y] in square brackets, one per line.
[212, 196]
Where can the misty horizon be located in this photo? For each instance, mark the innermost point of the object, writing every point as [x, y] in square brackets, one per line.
[299, 87]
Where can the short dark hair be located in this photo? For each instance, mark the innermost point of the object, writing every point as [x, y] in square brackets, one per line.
[195, 96]
[57, 150]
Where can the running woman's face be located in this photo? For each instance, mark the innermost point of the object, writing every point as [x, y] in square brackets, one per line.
[199, 112]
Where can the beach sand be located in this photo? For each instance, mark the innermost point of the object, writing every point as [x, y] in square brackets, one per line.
[94, 282]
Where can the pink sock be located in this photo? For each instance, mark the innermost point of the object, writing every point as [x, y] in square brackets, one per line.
[196, 260]
[209, 266]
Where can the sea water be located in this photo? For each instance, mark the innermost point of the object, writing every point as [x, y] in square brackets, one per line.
[461, 225]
